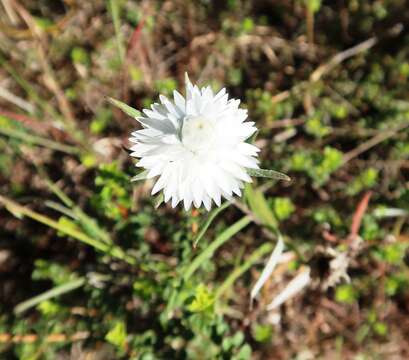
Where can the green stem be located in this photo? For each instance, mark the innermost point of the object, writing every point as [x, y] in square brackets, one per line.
[19, 210]
[49, 294]
[209, 220]
[37, 140]
[219, 241]
[255, 256]
[115, 12]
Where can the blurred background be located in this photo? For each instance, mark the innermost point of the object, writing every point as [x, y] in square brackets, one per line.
[90, 269]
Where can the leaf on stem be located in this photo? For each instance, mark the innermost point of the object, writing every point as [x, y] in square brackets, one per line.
[209, 220]
[141, 176]
[271, 174]
[124, 107]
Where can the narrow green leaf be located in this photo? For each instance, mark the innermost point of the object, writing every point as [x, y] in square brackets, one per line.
[124, 107]
[259, 206]
[61, 209]
[253, 258]
[159, 200]
[219, 241]
[19, 210]
[141, 176]
[28, 138]
[114, 6]
[253, 137]
[88, 224]
[271, 174]
[91, 226]
[209, 220]
[54, 292]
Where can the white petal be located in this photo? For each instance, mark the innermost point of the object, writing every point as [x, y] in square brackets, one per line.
[156, 170]
[217, 198]
[245, 161]
[140, 150]
[236, 170]
[171, 107]
[172, 184]
[187, 201]
[179, 101]
[164, 126]
[197, 191]
[220, 94]
[227, 196]
[157, 112]
[248, 149]
[222, 181]
[159, 185]
[189, 87]
[146, 133]
[148, 162]
[175, 200]
[210, 185]
[207, 202]
[207, 93]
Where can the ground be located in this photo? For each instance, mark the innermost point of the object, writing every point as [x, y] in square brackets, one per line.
[92, 268]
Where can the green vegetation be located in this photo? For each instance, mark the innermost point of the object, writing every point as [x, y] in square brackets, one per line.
[92, 266]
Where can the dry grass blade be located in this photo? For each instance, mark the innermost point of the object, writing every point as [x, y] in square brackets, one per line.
[341, 57]
[328, 66]
[294, 286]
[40, 141]
[14, 99]
[240, 270]
[268, 269]
[49, 75]
[52, 338]
[377, 139]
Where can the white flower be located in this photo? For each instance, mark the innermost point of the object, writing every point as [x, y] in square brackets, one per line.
[196, 146]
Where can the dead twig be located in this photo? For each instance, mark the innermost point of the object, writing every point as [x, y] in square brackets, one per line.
[52, 338]
[359, 214]
[285, 123]
[10, 12]
[49, 76]
[377, 139]
[356, 221]
[37, 126]
[14, 99]
[328, 66]
[310, 25]
[341, 57]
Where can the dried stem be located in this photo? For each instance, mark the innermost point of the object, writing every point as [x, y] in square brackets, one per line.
[377, 139]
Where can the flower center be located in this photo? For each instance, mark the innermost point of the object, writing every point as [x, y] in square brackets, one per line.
[197, 133]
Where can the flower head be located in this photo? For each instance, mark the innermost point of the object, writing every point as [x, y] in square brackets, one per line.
[196, 145]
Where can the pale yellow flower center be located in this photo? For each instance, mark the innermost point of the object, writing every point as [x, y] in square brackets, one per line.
[197, 133]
